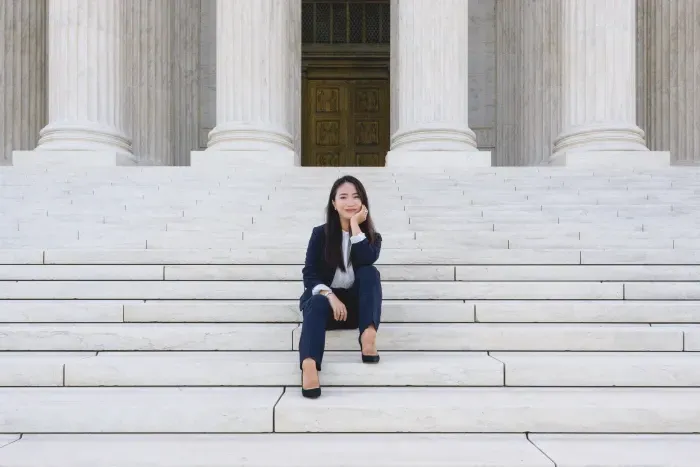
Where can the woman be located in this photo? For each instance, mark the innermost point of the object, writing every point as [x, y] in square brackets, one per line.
[342, 288]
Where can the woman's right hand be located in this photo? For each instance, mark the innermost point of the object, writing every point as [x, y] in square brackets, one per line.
[340, 313]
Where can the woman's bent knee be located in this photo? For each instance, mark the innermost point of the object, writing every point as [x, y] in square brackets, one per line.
[318, 304]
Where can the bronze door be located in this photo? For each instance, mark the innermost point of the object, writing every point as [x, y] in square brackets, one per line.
[347, 122]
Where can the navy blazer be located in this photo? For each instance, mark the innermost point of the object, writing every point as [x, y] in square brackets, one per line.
[317, 271]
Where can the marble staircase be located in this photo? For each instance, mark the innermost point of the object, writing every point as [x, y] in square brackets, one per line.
[533, 317]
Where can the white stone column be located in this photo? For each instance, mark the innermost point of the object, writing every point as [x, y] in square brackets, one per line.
[673, 90]
[528, 80]
[22, 75]
[599, 88]
[186, 97]
[429, 90]
[86, 86]
[148, 38]
[258, 83]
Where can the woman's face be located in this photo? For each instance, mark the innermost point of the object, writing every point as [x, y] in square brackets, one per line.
[347, 201]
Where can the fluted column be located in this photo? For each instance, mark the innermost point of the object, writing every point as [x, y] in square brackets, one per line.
[528, 80]
[258, 77]
[540, 85]
[599, 81]
[187, 26]
[429, 76]
[673, 60]
[86, 85]
[148, 37]
[22, 75]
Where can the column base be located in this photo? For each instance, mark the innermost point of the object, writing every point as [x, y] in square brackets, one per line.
[236, 136]
[612, 137]
[278, 158]
[58, 159]
[437, 159]
[434, 137]
[82, 136]
[612, 159]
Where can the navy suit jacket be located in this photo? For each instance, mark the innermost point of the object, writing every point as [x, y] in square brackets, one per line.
[317, 271]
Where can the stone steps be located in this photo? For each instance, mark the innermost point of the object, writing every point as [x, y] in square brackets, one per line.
[409, 273]
[394, 311]
[349, 410]
[492, 410]
[392, 290]
[533, 312]
[415, 368]
[289, 290]
[394, 337]
[170, 242]
[315, 449]
[401, 257]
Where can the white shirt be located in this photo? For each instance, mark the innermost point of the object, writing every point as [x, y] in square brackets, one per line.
[343, 280]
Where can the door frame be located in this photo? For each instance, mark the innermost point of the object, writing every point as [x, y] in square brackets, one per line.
[361, 61]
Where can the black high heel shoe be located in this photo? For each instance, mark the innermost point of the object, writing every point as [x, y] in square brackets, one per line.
[367, 358]
[313, 393]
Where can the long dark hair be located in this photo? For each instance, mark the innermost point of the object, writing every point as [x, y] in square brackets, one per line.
[334, 231]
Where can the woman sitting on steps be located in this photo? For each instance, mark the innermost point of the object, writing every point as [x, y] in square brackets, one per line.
[342, 288]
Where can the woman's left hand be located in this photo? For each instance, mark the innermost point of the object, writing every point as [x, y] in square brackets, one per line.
[361, 216]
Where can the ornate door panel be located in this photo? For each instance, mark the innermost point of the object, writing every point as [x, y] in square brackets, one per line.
[327, 123]
[369, 123]
[347, 122]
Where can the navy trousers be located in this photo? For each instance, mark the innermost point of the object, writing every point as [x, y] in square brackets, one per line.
[363, 302]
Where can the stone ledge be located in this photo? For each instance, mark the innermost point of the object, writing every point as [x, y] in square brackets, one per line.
[612, 159]
[400, 159]
[141, 410]
[226, 160]
[393, 311]
[620, 450]
[282, 369]
[588, 311]
[492, 410]
[514, 337]
[599, 369]
[289, 290]
[49, 337]
[22, 369]
[61, 311]
[294, 256]
[53, 160]
[278, 450]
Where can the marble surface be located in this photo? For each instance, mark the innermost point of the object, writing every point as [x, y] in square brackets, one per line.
[619, 450]
[278, 369]
[560, 278]
[598, 46]
[492, 410]
[258, 80]
[430, 44]
[86, 84]
[142, 410]
[516, 337]
[295, 450]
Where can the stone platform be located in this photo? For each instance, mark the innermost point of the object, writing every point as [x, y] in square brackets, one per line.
[533, 317]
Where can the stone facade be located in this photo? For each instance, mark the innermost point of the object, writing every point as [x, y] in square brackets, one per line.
[518, 82]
